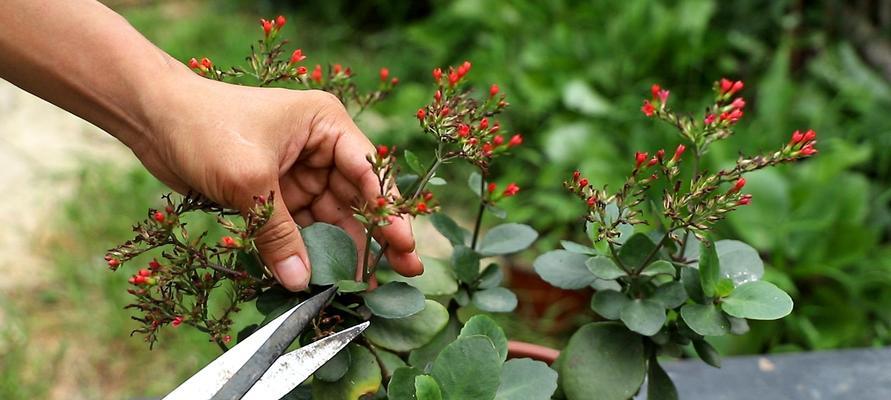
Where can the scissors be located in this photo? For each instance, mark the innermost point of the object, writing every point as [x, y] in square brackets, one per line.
[256, 369]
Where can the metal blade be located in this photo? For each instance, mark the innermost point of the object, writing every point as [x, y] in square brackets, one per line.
[215, 375]
[293, 368]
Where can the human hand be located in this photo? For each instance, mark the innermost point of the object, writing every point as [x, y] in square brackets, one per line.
[231, 143]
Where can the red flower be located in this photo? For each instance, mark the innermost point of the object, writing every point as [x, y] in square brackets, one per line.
[337, 68]
[206, 63]
[515, 140]
[511, 190]
[575, 175]
[738, 103]
[659, 93]
[421, 114]
[267, 26]
[745, 200]
[384, 73]
[710, 119]
[453, 78]
[495, 128]
[317, 74]
[738, 185]
[463, 69]
[678, 152]
[113, 262]
[381, 202]
[729, 87]
[301, 70]
[444, 112]
[154, 265]
[158, 216]
[809, 135]
[428, 196]
[421, 207]
[487, 149]
[491, 188]
[484, 124]
[493, 90]
[228, 242]
[297, 56]
[660, 154]
[177, 321]
[592, 201]
[639, 158]
[498, 140]
[383, 151]
[583, 183]
[394, 81]
[193, 63]
[463, 130]
[144, 272]
[648, 108]
[437, 96]
[808, 150]
[796, 137]
[652, 162]
[437, 74]
[280, 21]
[227, 339]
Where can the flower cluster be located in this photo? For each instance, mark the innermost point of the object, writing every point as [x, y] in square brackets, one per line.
[456, 118]
[694, 207]
[176, 286]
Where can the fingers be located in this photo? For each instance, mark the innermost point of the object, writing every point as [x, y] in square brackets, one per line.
[281, 248]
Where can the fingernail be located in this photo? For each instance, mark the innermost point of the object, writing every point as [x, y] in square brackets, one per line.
[292, 273]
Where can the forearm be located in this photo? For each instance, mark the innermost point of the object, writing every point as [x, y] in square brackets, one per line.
[85, 58]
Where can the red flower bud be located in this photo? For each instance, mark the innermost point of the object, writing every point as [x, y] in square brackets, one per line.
[511, 190]
[444, 112]
[394, 81]
[796, 137]
[473, 141]
[583, 183]
[383, 151]
[317, 74]
[678, 152]
[515, 140]
[421, 207]
[193, 63]
[738, 185]
[808, 150]
[177, 321]
[498, 140]
[655, 89]
[591, 201]
[710, 119]
[463, 130]
[301, 70]
[737, 86]
[297, 56]
[453, 78]
[421, 114]
[158, 216]
[575, 175]
[487, 149]
[381, 202]
[495, 128]
[484, 124]
[228, 242]
[280, 21]
[437, 96]
[206, 63]
[493, 90]
[267, 26]
[437, 74]
[491, 188]
[809, 135]
[463, 69]
[652, 162]
[145, 272]
[138, 279]
[114, 262]
[660, 154]
[639, 158]
[739, 103]
[745, 200]
[648, 108]
[726, 85]
[227, 339]
[428, 196]
[384, 73]
[154, 265]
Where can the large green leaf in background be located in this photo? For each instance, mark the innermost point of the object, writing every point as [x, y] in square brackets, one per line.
[603, 360]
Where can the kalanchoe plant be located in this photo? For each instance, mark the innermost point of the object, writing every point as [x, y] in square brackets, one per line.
[416, 346]
[666, 287]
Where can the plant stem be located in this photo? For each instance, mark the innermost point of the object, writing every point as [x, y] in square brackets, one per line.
[655, 251]
[482, 210]
[367, 270]
[618, 261]
[684, 240]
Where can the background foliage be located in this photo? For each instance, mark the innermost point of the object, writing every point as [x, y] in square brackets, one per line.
[576, 72]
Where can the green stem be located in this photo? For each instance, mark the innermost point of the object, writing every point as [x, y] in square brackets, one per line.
[482, 210]
[367, 270]
[684, 240]
[655, 251]
[616, 259]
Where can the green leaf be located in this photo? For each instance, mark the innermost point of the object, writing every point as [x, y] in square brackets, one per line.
[526, 379]
[466, 262]
[643, 316]
[486, 326]
[402, 384]
[659, 267]
[413, 163]
[361, 379]
[405, 182]
[564, 269]
[609, 303]
[335, 368]
[449, 228]
[389, 361]
[394, 300]
[438, 278]
[424, 355]
[578, 248]
[739, 261]
[659, 385]
[351, 286]
[474, 182]
[252, 264]
[507, 239]
[603, 284]
[603, 359]
[408, 333]
[706, 320]
[491, 277]
[496, 211]
[275, 297]
[426, 388]
[691, 281]
[709, 268]
[462, 297]
[332, 254]
[635, 250]
[670, 295]
[707, 353]
[497, 299]
[436, 181]
[724, 287]
[468, 368]
[758, 300]
[604, 268]
[738, 326]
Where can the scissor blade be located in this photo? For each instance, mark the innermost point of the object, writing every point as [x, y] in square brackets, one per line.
[293, 368]
[211, 378]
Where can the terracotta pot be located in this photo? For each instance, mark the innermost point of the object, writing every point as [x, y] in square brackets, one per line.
[517, 349]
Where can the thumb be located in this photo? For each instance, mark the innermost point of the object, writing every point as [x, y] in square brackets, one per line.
[281, 247]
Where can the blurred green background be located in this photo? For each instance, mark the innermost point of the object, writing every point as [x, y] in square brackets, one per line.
[575, 73]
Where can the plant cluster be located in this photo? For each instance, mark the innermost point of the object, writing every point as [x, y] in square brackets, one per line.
[416, 346]
[669, 285]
